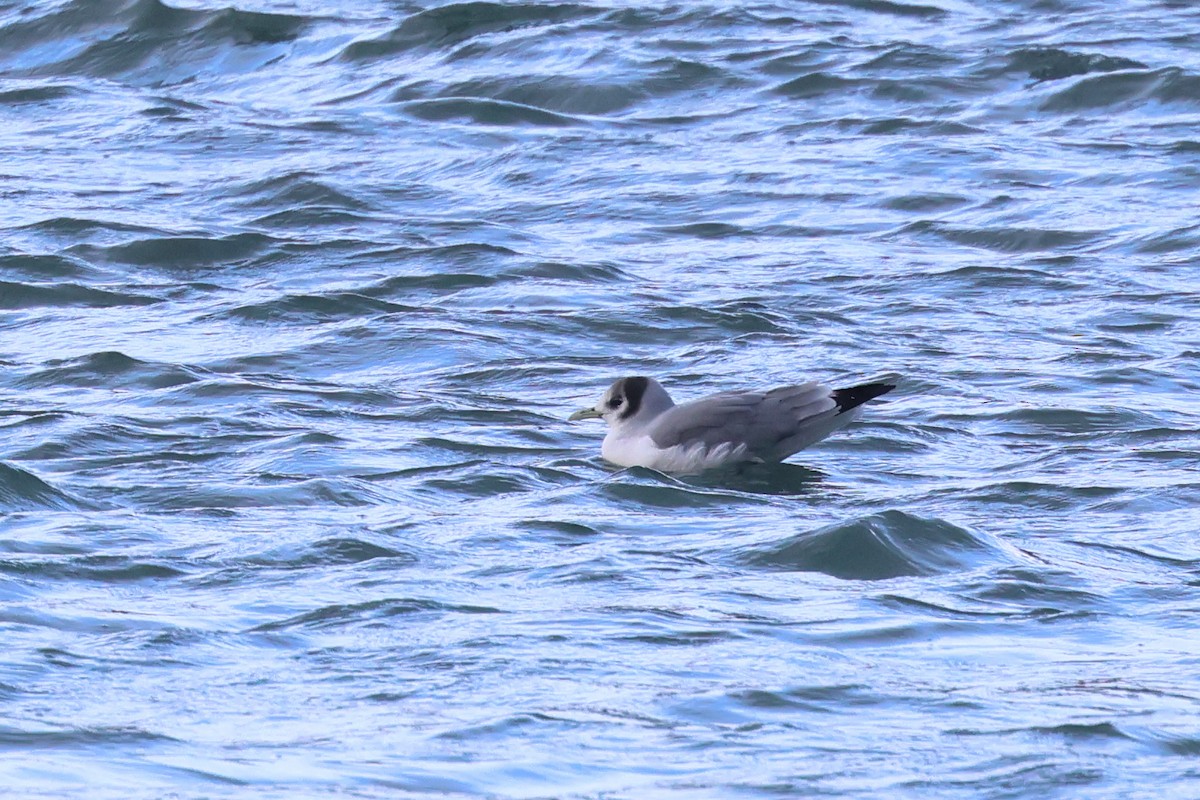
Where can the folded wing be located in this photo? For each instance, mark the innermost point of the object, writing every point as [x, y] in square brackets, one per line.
[770, 425]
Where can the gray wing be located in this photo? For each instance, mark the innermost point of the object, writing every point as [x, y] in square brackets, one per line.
[769, 424]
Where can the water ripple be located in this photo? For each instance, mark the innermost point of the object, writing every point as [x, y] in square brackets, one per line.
[296, 298]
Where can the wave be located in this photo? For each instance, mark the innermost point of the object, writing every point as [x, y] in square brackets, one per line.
[482, 111]
[20, 295]
[345, 614]
[1053, 64]
[188, 252]
[316, 308]
[453, 24]
[891, 544]
[109, 369]
[1007, 239]
[110, 38]
[1170, 85]
[23, 491]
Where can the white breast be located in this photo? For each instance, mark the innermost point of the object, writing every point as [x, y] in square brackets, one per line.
[641, 451]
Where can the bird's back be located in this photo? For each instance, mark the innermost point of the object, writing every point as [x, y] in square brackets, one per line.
[762, 426]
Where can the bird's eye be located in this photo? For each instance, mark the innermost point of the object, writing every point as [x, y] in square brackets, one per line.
[613, 402]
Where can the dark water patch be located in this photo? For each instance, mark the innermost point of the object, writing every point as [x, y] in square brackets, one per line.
[24, 491]
[458, 266]
[987, 278]
[111, 439]
[14, 738]
[313, 124]
[1181, 745]
[151, 456]
[1010, 777]
[491, 483]
[887, 545]
[171, 253]
[817, 84]
[633, 20]
[514, 725]
[310, 440]
[1052, 64]
[1129, 550]
[143, 38]
[1041, 495]
[651, 489]
[1112, 363]
[574, 272]
[46, 93]
[706, 230]
[688, 77]
[1184, 239]
[61, 34]
[896, 126]
[1004, 239]
[357, 551]
[1070, 421]
[815, 698]
[243, 378]
[888, 8]
[482, 111]
[887, 634]
[927, 91]
[682, 638]
[72, 229]
[758, 706]
[295, 189]
[451, 25]
[908, 57]
[1083, 730]
[135, 31]
[1185, 147]
[1036, 592]
[926, 201]
[32, 417]
[1127, 321]
[307, 219]
[43, 267]
[1125, 88]
[557, 528]
[939, 609]
[166, 113]
[331, 552]
[280, 491]
[305, 309]
[596, 572]
[108, 370]
[784, 479]
[1070, 731]
[374, 613]
[23, 295]
[93, 568]
[566, 96]
[740, 317]
[253, 27]
[788, 62]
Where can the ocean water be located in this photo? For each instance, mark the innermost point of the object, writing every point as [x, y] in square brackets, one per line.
[295, 299]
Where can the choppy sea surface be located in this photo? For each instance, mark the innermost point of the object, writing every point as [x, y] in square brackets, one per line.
[295, 298]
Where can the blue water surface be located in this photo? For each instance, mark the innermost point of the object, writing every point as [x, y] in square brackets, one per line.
[295, 299]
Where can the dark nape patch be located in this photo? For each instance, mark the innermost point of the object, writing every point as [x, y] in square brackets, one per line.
[634, 389]
[854, 396]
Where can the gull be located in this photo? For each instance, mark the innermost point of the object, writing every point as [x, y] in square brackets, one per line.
[647, 429]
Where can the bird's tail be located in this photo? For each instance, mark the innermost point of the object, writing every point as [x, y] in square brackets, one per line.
[854, 396]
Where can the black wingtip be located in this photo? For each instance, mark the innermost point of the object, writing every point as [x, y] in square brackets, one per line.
[854, 396]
